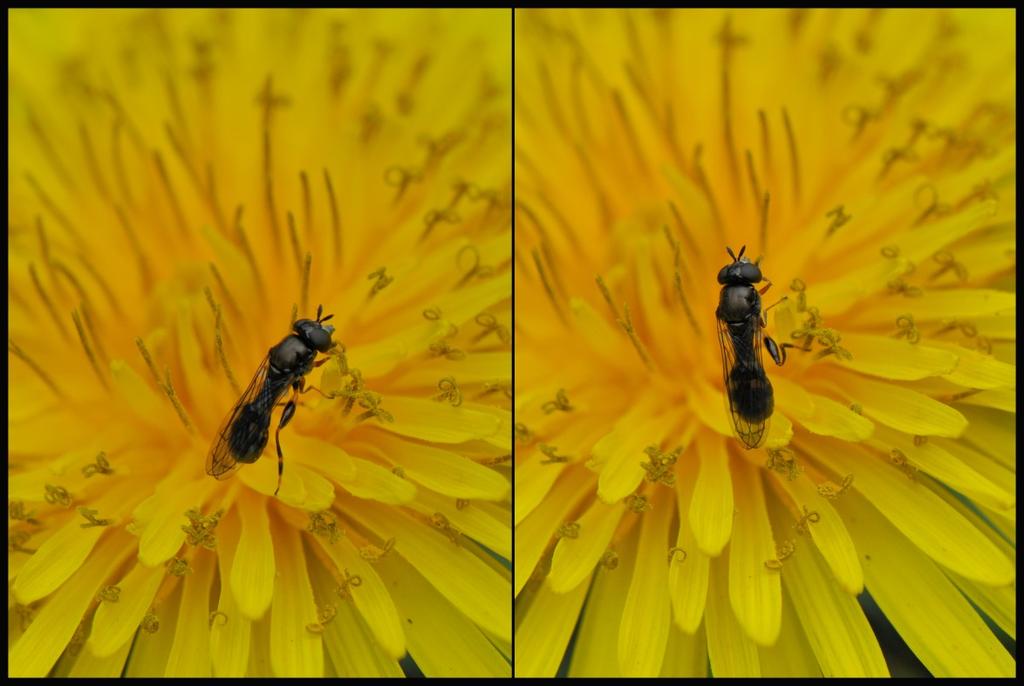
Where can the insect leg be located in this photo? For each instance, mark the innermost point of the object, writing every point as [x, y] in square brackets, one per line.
[778, 352]
[768, 285]
[286, 416]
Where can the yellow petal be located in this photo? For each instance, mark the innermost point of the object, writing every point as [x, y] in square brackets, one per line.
[371, 597]
[826, 416]
[686, 654]
[993, 432]
[377, 483]
[595, 652]
[436, 422]
[139, 398]
[534, 478]
[461, 650]
[480, 367]
[936, 304]
[687, 578]
[114, 624]
[148, 657]
[978, 370]
[710, 407]
[64, 552]
[533, 533]
[828, 532]
[791, 656]
[834, 623]
[646, 616]
[190, 651]
[903, 409]
[943, 465]
[780, 431]
[36, 650]
[894, 358]
[294, 651]
[544, 632]
[112, 666]
[253, 569]
[444, 471]
[730, 651]
[1004, 399]
[922, 516]
[467, 582]
[229, 641]
[621, 454]
[162, 515]
[838, 295]
[949, 638]
[711, 510]
[489, 526]
[574, 558]
[755, 591]
[352, 647]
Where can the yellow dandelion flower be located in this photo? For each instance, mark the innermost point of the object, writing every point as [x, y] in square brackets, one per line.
[868, 157]
[184, 185]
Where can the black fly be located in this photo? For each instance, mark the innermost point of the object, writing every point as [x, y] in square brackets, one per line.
[740, 337]
[244, 433]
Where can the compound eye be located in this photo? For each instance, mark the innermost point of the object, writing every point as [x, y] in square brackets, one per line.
[750, 272]
[320, 338]
[723, 274]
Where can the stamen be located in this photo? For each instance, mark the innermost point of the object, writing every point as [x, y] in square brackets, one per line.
[552, 100]
[218, 338]
[610, 560]
[920, 440]
[213, 200]
[568, 530]
[348, 582]
[243, 240]
[16, 511]
[948, 262]
[92, 163]
[475, 269]
[755, 187]
[88, 349]
[552, 298]
[335, 218]
[626, 323]
[109, 594]
[101, 466]
[293, 234]
[830, 490]
[224, 289]
[432, 313]
[215, 615]
[900, 460]
[13, 348]
[150, 623]
[560, 403]
[552, 456]
[307, 266]
[638, 504]
[371, 401]
[382, 281]
[61, 218]
[599, 193]
[145, 270]
[91, 330]
[684, 229]
[45, 297]
[839, 217]
[677, 279]
[449, 391]
[48, 150]
[440, 522]
[783, 461]
[57, 495]
[307, 204]
[522, 432]
[906, 328]
[373, 554]
[165, 180]
[676, 552]
[178, 566]
[325, 525]
[199, 530]
[490, 325]
[634, 142]
[659, 468]
[92, 519]
[179, 150]
[268, 189]
[764, 223]
[766, 143]
[461, 503]
[705, 187]
[17, 539]
[794, 159]
[808, 517]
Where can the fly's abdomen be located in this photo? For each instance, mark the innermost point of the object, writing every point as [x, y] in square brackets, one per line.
[249, 432]
[751, 393]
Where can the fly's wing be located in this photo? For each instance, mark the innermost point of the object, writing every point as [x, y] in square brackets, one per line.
[254, 406]
[747, 388]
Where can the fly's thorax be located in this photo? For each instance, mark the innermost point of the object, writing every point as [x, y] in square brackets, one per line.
[738, 302]
[292, 355]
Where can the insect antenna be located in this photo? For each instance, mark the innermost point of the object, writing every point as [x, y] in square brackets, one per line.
[319, 311]
[321, 321]
[742, 250]
[731, 253]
